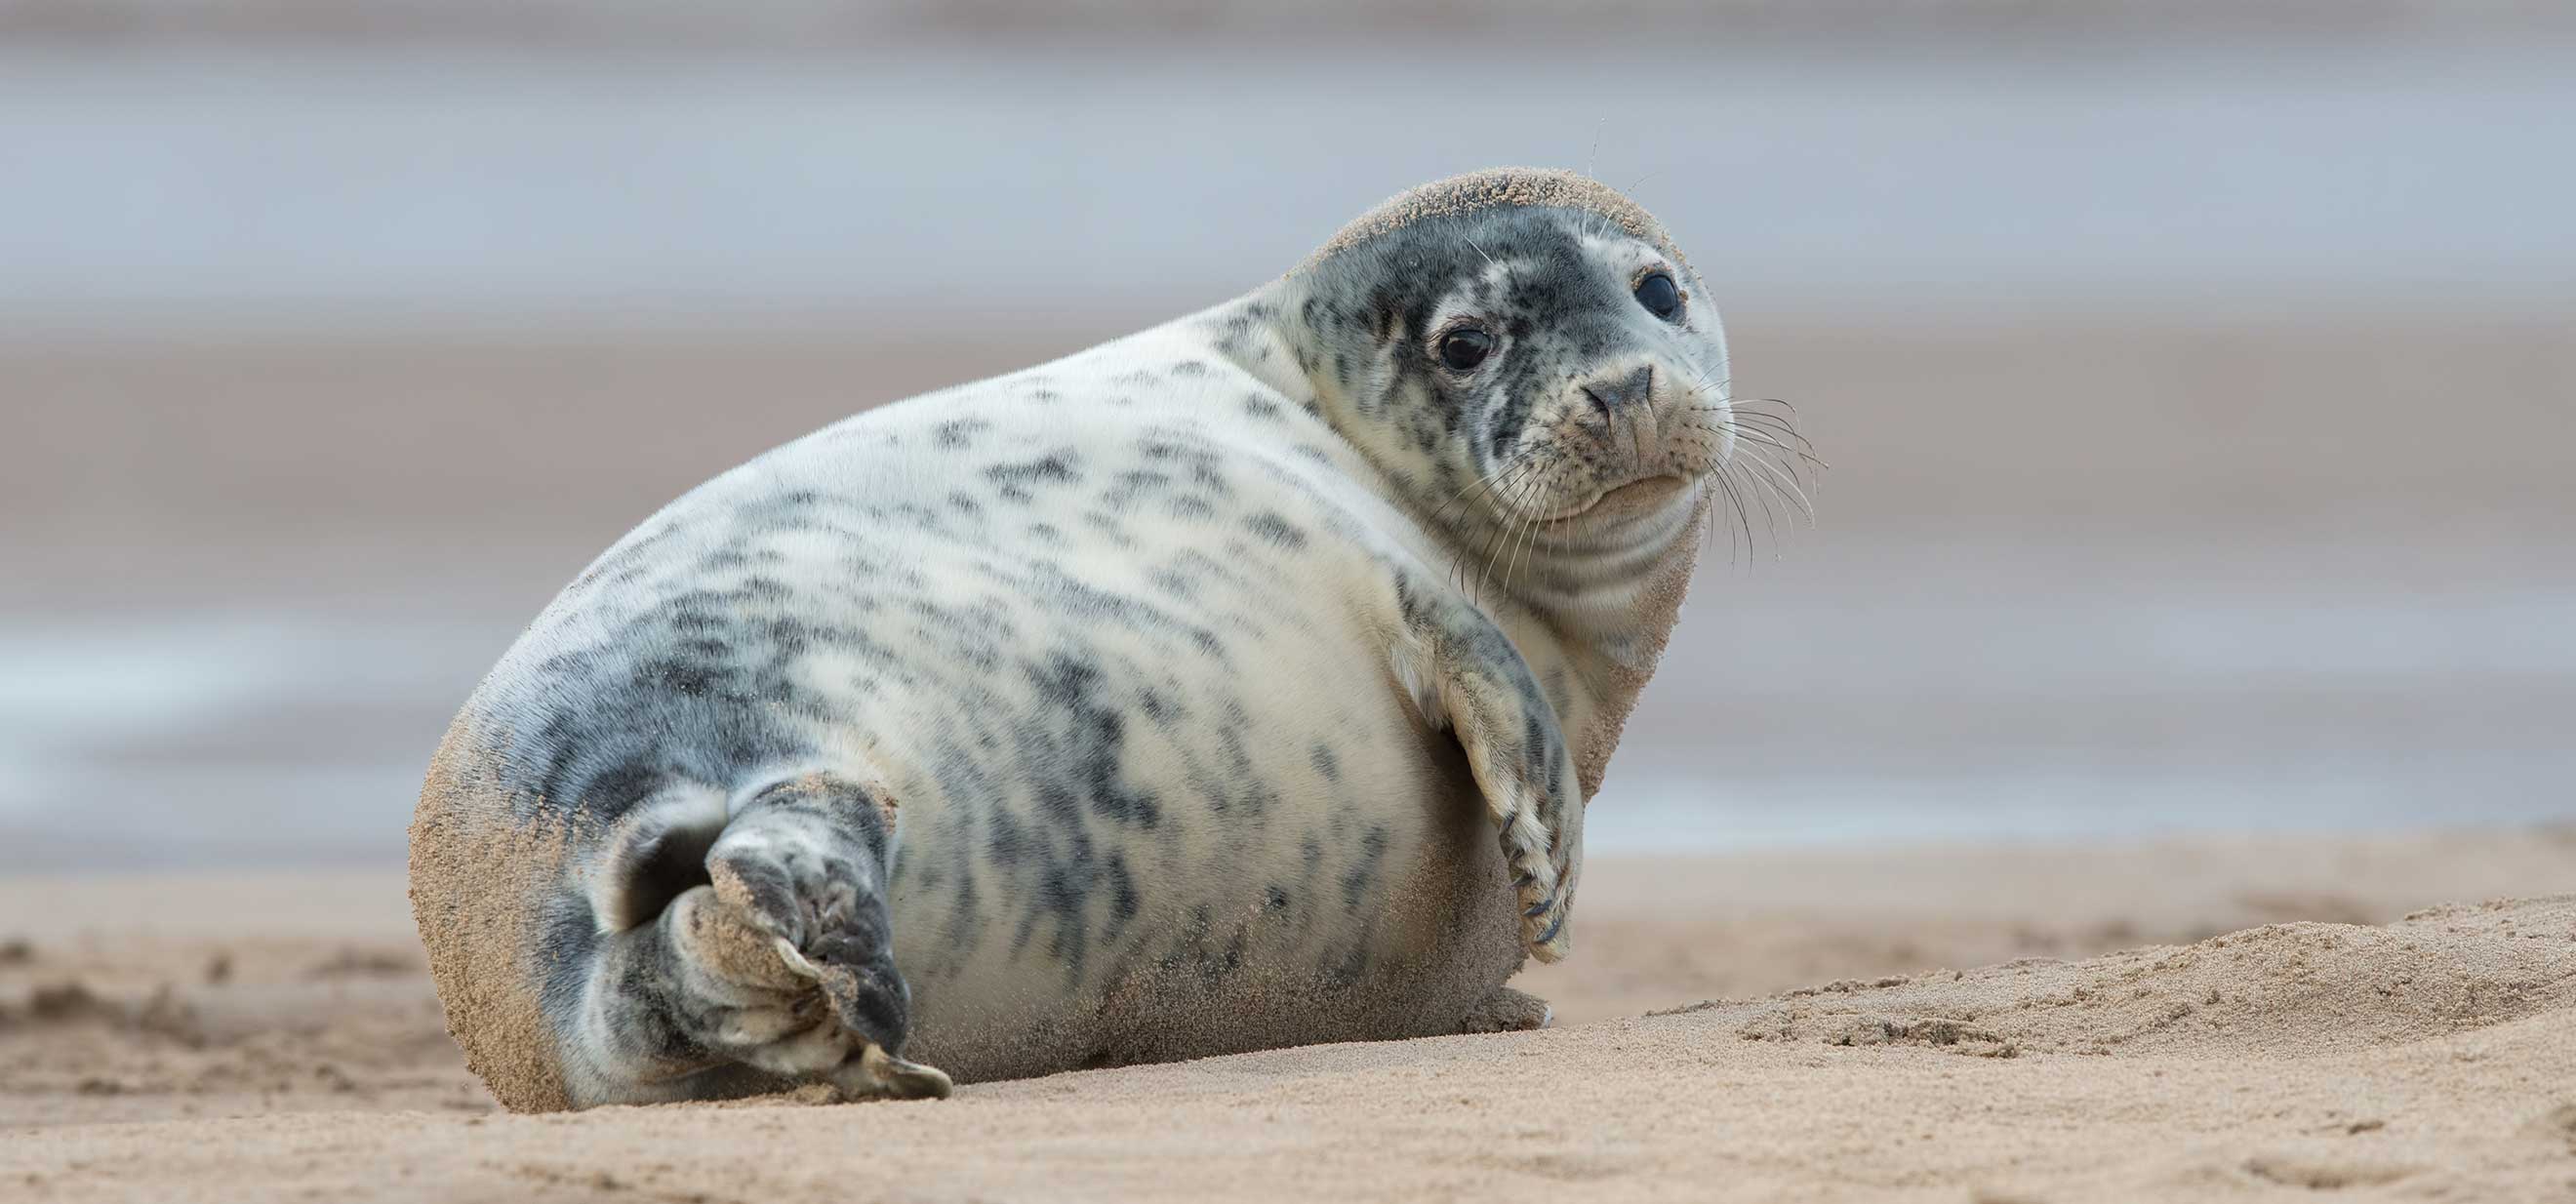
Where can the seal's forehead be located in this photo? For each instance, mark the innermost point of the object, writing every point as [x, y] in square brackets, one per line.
[1497, 188]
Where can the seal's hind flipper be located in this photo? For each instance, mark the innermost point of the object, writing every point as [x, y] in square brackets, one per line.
[774, 955]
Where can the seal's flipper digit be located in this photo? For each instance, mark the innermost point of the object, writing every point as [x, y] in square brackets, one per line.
[876, 1074]
[805, 860]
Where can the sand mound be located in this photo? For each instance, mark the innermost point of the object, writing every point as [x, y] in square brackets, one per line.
[2434, 1058]
[147, 1029]
[2283, 990]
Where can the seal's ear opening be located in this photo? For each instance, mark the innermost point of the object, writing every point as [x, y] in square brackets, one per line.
[658, 853]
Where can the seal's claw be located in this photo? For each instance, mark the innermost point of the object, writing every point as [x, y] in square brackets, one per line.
[1548, 938]
[796, 962]
[876, 1074]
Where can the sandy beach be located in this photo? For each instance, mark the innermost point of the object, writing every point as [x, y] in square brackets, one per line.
[2191, 1019]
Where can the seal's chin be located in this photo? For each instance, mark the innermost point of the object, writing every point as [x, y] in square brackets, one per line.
[1645, 495]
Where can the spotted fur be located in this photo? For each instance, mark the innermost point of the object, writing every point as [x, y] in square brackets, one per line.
[1234, 684]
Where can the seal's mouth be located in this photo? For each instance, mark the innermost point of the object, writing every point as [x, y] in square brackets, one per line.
[1640, 496]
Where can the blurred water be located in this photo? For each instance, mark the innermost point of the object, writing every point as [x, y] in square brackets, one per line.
[390, 187]
[2017, 704]
[1790, 710]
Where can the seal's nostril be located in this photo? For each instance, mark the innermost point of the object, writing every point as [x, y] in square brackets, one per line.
[1638, 387]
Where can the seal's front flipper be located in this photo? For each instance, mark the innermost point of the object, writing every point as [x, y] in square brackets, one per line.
[1464, 672]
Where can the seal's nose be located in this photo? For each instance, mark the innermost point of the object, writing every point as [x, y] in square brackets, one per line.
[1609, 395]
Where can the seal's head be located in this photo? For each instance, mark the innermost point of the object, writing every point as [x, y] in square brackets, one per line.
[1523, 351]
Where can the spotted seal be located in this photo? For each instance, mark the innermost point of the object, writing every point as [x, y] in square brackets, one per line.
[1235, 684]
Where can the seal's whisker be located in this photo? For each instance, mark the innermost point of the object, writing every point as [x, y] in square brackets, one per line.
[1735, 502]
[1531, 540]
[1760, 437]
[1770, 523]
[1784, 470]
[1780, 480]
[1737, 413]
[1506, 490]
[1487, 482]
[1776, 428]
[1711, 519]
[1487, 479]
[1520, 472]
[1744, 515]
[1743, 408]
[1700, 382]
[1748, 413]
[1519, 521]
[1518, 507]
[1753, 434]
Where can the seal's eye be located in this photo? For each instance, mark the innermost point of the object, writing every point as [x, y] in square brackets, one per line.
[1463, 349]
[1659, 296]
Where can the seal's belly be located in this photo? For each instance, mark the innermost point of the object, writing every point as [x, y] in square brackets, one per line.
[1120, 844]
[1321, 871]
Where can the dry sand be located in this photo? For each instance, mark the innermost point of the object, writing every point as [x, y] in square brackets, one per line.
[182, 1038]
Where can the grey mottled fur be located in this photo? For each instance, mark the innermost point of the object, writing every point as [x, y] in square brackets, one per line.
[1217, 678]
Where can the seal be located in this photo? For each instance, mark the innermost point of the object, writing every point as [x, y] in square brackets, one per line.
[1235, 684]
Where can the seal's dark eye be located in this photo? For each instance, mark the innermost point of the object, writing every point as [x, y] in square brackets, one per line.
[1660, 298]
[1464, 349]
